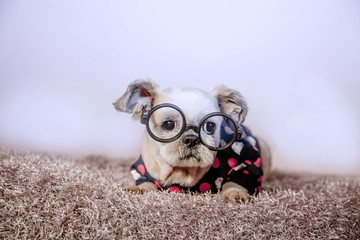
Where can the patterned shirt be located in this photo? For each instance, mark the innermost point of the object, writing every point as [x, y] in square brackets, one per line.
[240, 163]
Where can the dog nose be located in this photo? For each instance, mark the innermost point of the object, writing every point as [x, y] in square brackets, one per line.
[191, 140]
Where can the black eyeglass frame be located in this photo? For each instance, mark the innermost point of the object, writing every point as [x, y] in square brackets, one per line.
[146, 114]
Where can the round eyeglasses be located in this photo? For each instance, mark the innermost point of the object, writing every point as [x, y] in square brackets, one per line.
[166, 123]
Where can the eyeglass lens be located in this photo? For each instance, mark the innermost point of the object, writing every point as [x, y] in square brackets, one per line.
[166, 123]
[217, 131]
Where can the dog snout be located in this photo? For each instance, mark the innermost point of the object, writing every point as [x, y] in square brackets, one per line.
[191, 140]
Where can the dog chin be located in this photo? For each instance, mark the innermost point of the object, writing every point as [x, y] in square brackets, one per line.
[189, 169]
[198, 157]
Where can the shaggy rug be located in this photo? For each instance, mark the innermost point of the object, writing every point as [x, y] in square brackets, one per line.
[48, 196]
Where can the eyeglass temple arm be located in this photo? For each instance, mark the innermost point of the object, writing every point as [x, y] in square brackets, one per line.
[144, 118]
[240, 131]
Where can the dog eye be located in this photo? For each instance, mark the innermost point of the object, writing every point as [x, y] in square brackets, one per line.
[209, 127]
[168, 125]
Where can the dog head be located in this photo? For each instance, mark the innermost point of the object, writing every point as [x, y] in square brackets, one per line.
[183, 157]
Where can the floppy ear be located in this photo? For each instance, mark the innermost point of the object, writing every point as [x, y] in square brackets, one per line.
[231, 102]
[138, 95]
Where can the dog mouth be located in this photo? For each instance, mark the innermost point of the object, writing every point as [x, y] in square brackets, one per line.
[189, 156]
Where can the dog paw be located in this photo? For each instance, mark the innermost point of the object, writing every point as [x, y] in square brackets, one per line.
[237, 196]
[235, 192]
[142, 188]
[135, 189]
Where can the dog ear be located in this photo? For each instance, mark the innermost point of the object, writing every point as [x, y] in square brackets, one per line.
[231, 102]
[138, 95]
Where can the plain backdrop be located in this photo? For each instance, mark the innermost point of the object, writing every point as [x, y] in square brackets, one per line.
[62, 64]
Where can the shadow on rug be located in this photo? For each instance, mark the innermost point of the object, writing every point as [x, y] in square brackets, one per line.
[47, 196]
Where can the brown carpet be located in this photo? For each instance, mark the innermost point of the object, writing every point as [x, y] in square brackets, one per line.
[44, 196]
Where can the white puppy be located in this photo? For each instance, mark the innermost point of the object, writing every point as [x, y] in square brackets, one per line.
[195, 141]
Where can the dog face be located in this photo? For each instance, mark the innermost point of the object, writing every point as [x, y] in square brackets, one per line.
[181, 153]
[186, 159]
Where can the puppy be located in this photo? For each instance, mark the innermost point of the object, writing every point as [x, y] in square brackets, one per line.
[195, 141]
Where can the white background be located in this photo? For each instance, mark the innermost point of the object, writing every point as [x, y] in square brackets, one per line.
[62, 64]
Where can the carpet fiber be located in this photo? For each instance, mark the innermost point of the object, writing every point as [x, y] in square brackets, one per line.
[47, 196]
